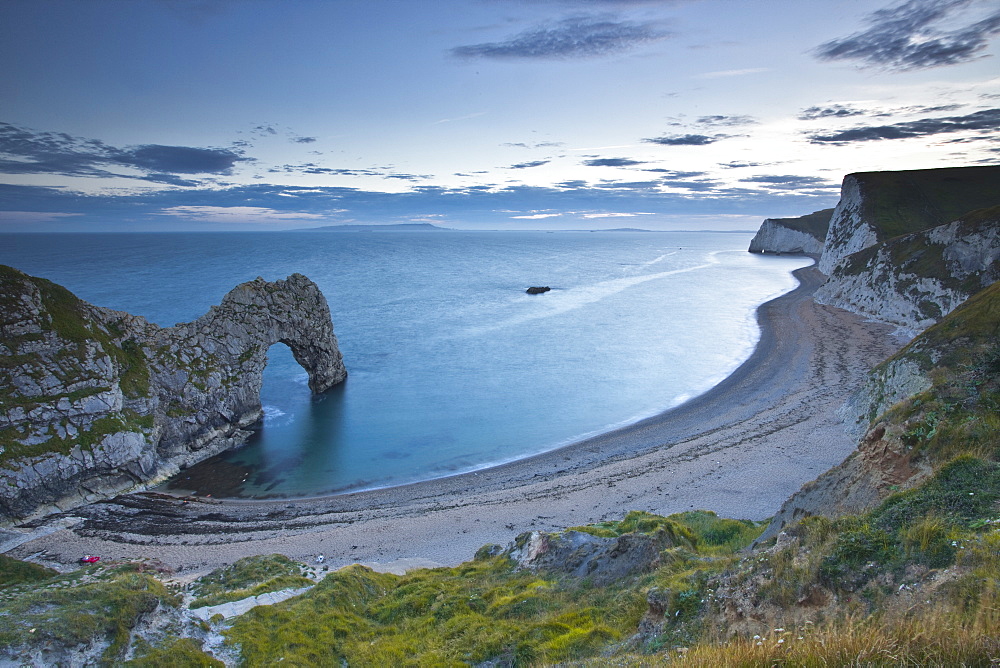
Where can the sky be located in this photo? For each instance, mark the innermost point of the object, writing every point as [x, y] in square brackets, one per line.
[212, 115]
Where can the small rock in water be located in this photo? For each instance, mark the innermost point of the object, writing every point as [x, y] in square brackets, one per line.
[537, 290]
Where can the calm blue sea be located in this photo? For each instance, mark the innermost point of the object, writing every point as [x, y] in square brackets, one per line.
[452, 366]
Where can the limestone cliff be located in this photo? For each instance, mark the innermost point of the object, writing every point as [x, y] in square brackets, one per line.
[938, 390]
[802, 235]
[914, 280]
[94, 402]
[877, 206]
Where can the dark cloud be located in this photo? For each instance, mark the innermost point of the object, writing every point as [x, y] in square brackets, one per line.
[582, 36]
[180, 159]
[726, 121]
[735, 164]
[788, 181]
[833, 111]
[684, 140]
[24, 151]
[526, 165]
[905, 37]
[303, 140]
[612, 162]
[171, 179]
[674, 174]
[313, 168]
[988, 119]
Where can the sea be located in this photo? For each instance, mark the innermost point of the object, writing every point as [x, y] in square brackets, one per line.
[452, 366]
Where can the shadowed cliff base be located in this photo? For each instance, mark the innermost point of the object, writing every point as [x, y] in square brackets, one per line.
[740, 449]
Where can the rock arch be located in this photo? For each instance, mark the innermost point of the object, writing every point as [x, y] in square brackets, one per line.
[101, 401]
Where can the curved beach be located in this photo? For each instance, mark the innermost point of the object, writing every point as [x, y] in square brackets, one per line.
[740, 450]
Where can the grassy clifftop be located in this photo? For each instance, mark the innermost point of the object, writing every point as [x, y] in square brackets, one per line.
[814, 224]
[901, 202]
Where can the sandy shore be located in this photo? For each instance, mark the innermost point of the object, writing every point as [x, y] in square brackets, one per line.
[740, 449]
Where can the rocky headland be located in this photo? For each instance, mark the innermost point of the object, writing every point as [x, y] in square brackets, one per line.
[797, 236]
[96, 402]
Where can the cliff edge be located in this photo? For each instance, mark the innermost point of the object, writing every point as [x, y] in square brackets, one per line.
[800, 236]
[94, 402]
[878, 206]
[914, 280]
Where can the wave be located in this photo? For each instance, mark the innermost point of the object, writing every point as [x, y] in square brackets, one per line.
[559, 301]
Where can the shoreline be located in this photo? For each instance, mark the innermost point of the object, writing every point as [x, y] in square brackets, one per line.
[739, 449]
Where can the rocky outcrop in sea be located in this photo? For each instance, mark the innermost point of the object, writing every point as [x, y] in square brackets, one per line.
[95, 402]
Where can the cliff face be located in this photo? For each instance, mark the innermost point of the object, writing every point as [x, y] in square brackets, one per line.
[803, 235]
[850, 230]
[95, 402]
[937, 391]
[878, 206]
[914, 280]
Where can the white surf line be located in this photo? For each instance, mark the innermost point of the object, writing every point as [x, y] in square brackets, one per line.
[559, 302]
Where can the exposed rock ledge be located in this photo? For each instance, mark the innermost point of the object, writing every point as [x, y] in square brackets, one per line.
[94, 402]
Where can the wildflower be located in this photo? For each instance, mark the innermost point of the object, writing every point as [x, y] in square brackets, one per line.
[781, 640]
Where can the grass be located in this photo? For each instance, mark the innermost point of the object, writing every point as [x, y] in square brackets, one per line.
[72, 610]
[250, 576]
[14, 572]
[815, 224]
[938, 638]
[175, 653]
[901, 202]
[486, 609]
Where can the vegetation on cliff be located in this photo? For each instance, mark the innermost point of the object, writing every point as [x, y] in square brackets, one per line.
[900, 202]
[814, 224]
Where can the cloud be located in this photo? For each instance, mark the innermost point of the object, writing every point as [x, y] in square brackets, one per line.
[180, 159]
[612, 162]
[237, 214]
[303, 140]
[906, 36]
[33, 217]
[788, 181]
[684, 140]
[544, 144]
[460, 118]
[988, 120]
[726, 121]
[731, 73]
[24, 151]
[313, 169]
[674, 174]
[538, 216]
[582, 36]
[526, 165]
[736, 164]
[832, 111]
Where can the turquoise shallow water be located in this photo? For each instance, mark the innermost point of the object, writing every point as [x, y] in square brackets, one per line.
[452, 366]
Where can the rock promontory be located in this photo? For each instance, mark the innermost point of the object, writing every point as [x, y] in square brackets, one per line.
[94, 402]
[798, 236]
[877, 206]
